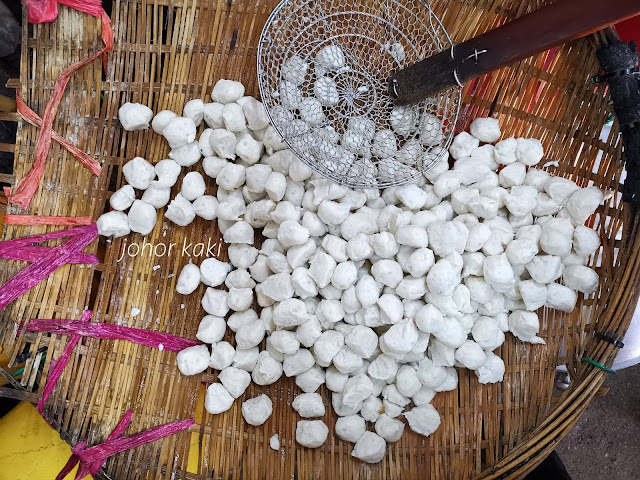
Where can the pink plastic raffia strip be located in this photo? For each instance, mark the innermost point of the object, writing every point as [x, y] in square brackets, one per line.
[44, 220]
[21, 249]
[92, 458]
[74, 458]
[31, 181]
[33, 118]
[57, 366]
[111, 332]
[49, 260]
[31, 254]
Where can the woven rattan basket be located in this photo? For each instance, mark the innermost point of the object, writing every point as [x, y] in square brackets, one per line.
[169, 51]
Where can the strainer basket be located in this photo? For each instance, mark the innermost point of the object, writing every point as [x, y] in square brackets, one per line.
[369, 42]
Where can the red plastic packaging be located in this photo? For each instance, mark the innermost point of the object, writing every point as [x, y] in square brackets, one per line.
[43, 11]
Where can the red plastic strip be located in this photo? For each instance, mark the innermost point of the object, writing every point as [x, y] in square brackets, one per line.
[23, 241]
[32, 117]
[122, 425]
[118, 431]
[112, 332]
[75, 456]
[71, 463]
[31, 254]
[41, 268]
[57, 366]
[21, 249]
[43, 220]
[31, 181]
[92, 458]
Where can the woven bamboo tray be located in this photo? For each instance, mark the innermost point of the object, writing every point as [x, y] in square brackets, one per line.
[167, 52]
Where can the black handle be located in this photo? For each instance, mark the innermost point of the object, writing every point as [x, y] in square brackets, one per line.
[536, 32]
[619, 61]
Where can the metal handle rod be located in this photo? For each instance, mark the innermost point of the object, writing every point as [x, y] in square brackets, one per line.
[553, 25]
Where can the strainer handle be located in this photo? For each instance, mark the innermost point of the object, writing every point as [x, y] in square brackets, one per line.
[553, 25]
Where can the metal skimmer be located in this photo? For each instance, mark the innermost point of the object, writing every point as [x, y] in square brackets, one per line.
[343, 52]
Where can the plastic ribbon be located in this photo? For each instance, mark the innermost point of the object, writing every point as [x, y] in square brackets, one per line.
[45, 260]
[44, 220]
[91, 459]
[112, 332]
[43, 11]
[57, 366]
[75, 457]
[32, 117]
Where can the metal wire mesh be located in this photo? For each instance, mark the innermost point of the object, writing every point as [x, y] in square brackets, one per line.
[323, 70]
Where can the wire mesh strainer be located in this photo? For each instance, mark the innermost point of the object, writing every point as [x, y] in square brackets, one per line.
[323, 73]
